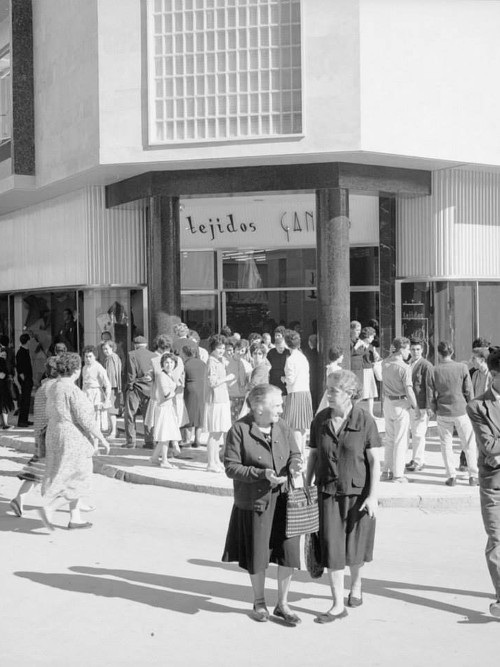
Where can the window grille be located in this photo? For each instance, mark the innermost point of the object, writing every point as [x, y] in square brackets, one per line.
[224, 69]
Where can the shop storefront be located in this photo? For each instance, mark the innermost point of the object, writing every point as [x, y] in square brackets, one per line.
[250, 262]
[448, 261]
[70, 269]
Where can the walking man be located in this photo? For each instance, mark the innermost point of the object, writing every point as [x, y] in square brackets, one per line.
[140, 369]
[399, 397]
[452, 392]
[484, 413]
[422, 375]
[25, 376]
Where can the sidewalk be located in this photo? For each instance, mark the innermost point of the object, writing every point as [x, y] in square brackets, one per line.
[427, 489]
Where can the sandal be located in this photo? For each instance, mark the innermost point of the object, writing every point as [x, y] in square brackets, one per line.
[16, 507]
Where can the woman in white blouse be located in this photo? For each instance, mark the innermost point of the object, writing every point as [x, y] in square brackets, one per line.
[298, 411]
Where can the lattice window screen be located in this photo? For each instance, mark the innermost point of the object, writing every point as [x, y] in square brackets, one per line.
[224, 69]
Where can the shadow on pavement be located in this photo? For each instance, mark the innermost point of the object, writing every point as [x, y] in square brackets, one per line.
[181, 594]
[396, 590]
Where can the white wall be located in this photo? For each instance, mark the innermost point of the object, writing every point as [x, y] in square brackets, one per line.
[331, 88]
[66, 94]
[429, 78]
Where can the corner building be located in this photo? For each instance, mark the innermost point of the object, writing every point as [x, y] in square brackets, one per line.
[250, 162]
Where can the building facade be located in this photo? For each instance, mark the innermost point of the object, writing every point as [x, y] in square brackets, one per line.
[249, 162]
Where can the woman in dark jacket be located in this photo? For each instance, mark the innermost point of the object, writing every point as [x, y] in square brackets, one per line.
[344, 463]
[260, 454]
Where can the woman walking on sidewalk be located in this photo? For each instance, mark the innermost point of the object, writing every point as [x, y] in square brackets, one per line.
[71, 434]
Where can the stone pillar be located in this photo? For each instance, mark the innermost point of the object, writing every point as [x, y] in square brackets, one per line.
[332, 258]
[164, 267]
[387, 259]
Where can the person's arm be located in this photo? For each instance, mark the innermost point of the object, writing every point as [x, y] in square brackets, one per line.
[410, 394]
[429, 388]
[105, 384]
[233, 461]
[291, 371]
[467, 388]
[370, 503]
[83, 415]
[131, 371]
[487, 437]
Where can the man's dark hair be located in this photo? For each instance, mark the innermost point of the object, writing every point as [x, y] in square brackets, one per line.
[445, 348]
[400, 342]
[416, 341]
[24, 338]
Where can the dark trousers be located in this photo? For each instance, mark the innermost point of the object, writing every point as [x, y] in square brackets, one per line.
[24, 401]
[136, 401]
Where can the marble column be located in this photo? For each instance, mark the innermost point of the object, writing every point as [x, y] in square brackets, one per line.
[164, 268]
[332, 256]
[387, 259]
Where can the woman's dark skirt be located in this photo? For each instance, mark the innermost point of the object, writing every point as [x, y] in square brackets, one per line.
[346, 535]
[255, 539]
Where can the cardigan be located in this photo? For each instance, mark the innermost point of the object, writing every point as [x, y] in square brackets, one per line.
[248, 455]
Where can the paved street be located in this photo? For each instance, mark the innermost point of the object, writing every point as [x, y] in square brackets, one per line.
[145, 586]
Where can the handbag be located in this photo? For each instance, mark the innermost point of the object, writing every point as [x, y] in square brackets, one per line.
[312, 555]
[302, 512]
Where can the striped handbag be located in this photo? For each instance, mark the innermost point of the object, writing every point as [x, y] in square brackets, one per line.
[302, 512]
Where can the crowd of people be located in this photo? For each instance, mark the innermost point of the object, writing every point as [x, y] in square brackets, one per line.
[252, 398]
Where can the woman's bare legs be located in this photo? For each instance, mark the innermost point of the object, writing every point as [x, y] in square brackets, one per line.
[284, 581]
[112, 419]
[25, 488]
[356, 580]
[213, 459]
[336, 580]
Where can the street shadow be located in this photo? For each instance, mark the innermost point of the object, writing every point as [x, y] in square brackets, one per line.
[395, 590]
[178, 594]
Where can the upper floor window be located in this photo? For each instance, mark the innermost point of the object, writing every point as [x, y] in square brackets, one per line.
[5, 73]
[223, 69]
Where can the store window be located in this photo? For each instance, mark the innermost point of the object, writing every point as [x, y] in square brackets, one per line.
[443, 310]
[488, 312]
[223, 69]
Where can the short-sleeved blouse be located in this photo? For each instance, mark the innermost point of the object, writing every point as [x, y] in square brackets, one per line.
[341, 462]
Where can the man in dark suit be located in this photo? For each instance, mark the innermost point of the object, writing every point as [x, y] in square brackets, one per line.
[139, 379]
[25, 376]
[484, 413]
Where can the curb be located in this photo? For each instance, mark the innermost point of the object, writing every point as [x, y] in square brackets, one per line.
[434, 502]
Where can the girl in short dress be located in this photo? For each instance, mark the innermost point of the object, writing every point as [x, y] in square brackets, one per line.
[218, 406]
[165, 422]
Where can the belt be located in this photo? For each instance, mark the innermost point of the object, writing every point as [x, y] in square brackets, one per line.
[396, 398]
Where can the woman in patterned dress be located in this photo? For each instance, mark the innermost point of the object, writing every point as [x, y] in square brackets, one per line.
[71, 433]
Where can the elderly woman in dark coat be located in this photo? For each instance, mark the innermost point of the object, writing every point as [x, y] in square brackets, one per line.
[260, 454]
[344, 463]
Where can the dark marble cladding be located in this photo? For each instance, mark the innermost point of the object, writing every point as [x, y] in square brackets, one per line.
[387, 249]
[332, 243]
[23, 119]
[164, 268]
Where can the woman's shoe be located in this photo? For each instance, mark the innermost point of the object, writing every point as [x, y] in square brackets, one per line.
[289, 617]
[16, 507]
[72, 525]
[329, 618]
[260, 613]
[353, 601]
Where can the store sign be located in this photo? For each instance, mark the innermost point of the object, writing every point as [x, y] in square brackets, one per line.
[264, 222]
